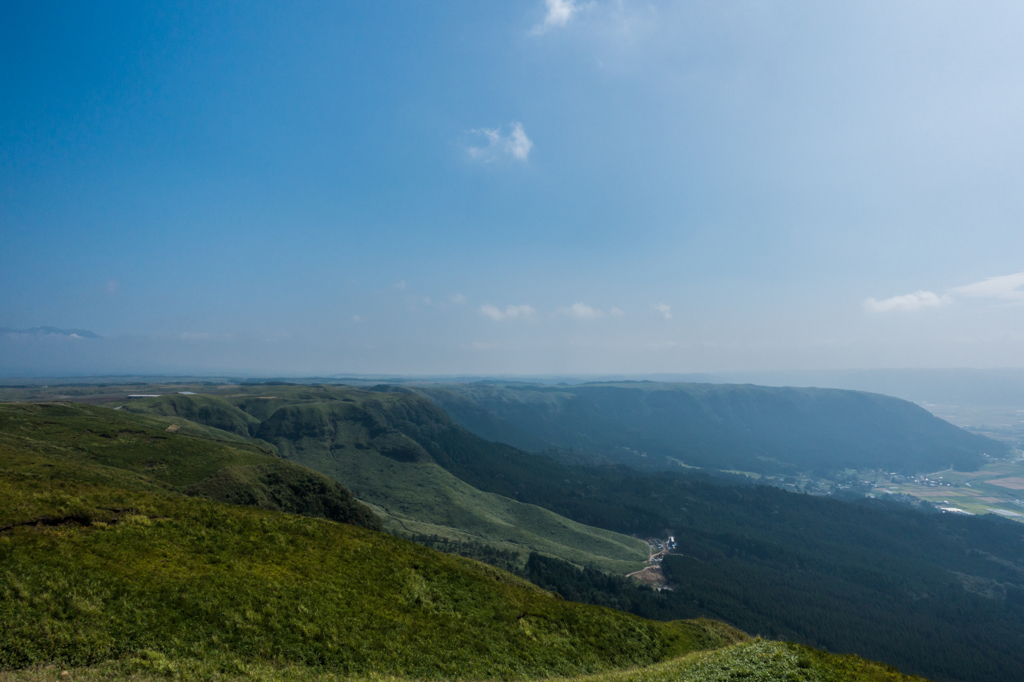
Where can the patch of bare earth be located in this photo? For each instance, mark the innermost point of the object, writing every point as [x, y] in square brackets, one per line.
[652, 575]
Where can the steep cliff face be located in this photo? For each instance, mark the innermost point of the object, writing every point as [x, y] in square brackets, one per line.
[718, 426]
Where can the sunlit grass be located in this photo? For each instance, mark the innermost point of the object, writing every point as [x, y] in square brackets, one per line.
[757, 661]
[132, 572]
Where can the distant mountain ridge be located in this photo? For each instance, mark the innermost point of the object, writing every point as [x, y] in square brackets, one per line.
[52, 331]
[762, 429]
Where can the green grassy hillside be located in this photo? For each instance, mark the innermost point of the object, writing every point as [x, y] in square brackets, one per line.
[755, 661]
[394, 451]
[123, 584]
[718, 426]
[94, 573]
[95, 444]
[206, 410]
[758, 661]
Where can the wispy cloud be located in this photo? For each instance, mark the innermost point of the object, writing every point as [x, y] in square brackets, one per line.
[1004, 287]
[906, 302]
[664, 310]
[559, 13]
[516, 144]
[511, 312]
[458, 299]
[616, 312]
[203, 336]
[399, 285]
[580, 310]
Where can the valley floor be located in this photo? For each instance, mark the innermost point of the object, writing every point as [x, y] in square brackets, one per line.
[995, 488]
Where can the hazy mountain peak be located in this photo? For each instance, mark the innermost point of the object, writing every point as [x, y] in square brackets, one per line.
[52, 331]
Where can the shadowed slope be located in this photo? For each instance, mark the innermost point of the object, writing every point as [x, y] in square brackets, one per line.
[719, 426]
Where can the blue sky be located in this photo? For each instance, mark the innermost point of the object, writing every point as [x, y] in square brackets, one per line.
[519, 187]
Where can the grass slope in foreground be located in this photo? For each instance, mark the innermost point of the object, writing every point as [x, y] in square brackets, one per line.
[92, 573]
[750, 661]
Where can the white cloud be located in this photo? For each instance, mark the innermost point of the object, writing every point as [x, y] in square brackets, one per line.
[112, 286]
[399, 285]
[489, 152]
[356, 318]
[458, 299]
[1004, 287]
[519, 145]
[510, 313]
[915, 301]
[580, 310]
[559, 13]
[616, 312]
[1007, 287]
[664, 310]
[516, 144]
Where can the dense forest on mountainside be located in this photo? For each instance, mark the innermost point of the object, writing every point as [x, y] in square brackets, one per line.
[904, 607]
[947, 625]
[656, 426]
[947, 585]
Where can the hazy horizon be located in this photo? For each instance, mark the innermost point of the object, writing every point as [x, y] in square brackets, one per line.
[544, 187]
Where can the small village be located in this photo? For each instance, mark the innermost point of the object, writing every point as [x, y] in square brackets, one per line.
[652, 575]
